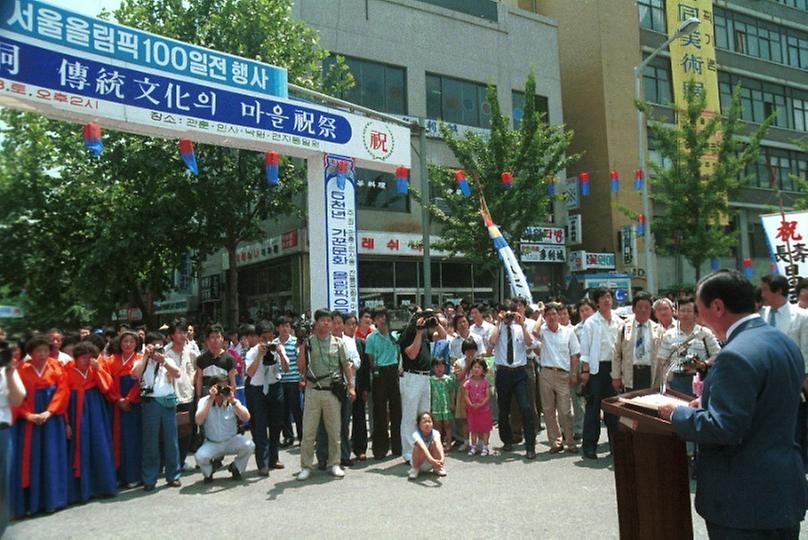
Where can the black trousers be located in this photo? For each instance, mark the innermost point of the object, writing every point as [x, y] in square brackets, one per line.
[719, 532]
[266, 422]
[598, 388]
[642, 377]
[359, 428]
[513, 383]
[386, 412]
[292, 410]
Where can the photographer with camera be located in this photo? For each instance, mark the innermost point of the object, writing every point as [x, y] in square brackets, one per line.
[511, 341]
[219, 414]
[416, 355]
[12, 393]
[266, 361]
[323, 362]
[157, 373]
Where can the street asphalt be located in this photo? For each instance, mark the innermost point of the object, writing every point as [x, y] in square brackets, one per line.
[557, 496]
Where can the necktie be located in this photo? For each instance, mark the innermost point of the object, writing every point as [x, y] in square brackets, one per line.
[773, 317]
[510, 345]
[639, 343]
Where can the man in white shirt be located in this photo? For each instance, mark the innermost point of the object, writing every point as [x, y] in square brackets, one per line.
[793, 322]
[264, 393]
[559, 368]
[480, 327]
[179, 352]
[218, 413]
[511, 340]
[598, 339]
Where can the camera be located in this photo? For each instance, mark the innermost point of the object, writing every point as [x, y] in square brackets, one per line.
[159, 348]
[509, 316]
[428, 316]
[269, 356]
[302, 329]
[223, 390]
[5, 354]
[146, 391]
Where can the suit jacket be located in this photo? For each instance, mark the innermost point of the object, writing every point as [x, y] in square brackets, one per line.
[622, 367]
[750, 474]
[793, 321]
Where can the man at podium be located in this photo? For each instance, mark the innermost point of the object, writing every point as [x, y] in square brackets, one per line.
[751, 481]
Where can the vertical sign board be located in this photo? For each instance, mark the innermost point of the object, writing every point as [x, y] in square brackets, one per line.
[340, 236]
[77, 68]
[787, 236]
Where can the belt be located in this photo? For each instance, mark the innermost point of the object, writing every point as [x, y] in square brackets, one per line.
[388, 367]
[556, 369]
[4, 425]
[417, 372]
[641, 366]
[502, 366]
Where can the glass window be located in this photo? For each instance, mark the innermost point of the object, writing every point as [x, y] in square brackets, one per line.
[406, 275]
[381, 87]
[652, 14]
[800, 107]
[457, 101]
[456, 275]
[518, 107]
[376, 190]
[375, 274]
[720, 28]
[657, 82]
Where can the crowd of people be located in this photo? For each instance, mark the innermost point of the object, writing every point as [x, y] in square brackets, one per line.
[87, 414]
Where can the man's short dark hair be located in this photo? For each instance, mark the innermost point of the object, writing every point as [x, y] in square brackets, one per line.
[349, 316]
[687, 299]
[448, 304]
[519, 300]
[214, 328]
[322, 313]
[177, 324]
[336, 314]
[777, 283]
[642, 295]
[246, 330]
[264, 327]
[283, 319]
[457, 317]
[365, 310]
[731, 287]
[151, 337]
[557, 306]
[481, 307]
[378, 312]
[585, 302]
[801, 284]
[598, 292]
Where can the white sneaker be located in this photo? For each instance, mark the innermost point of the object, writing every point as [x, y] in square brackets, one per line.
[413, 474]
[441, 472]
[304, 474]
[472, 450]
[336, 472]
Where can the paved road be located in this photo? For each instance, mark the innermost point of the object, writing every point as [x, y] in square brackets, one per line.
[556, 496]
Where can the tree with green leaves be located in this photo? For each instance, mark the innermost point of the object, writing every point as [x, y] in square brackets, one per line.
[692, 206]
[800, 182]
[91, 234]
[534, 153]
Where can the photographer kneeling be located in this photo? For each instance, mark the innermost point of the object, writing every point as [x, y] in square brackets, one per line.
[217, 412]
[157, 373]
[416, 359]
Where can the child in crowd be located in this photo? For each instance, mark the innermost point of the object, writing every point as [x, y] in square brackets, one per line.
[461, 371]
[478, 407]
[442, 399]
[427, 449]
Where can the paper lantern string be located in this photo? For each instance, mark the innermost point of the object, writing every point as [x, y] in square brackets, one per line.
[614, 181]
[92, 139]
[641, 225]
[747, 267]
[342, 173]
[639, 178]
[583, 179]
[551, 186]
[188, 156]
[402, 185]
[462, 183]
[271, 165]
[507, 180]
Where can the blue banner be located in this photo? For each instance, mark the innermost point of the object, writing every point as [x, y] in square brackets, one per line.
[63, 77]
[83, 34]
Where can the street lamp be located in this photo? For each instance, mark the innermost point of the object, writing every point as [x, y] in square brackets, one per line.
[685, 27]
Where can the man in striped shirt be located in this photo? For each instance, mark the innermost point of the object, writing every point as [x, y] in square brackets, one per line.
[292, 396]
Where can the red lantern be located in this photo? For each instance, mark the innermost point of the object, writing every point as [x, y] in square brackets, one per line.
[507, 180]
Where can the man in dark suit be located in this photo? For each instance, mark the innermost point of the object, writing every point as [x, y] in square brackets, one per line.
[751, 481]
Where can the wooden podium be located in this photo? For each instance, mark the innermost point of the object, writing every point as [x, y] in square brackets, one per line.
[650, 471]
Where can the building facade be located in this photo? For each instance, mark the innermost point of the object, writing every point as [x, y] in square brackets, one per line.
[760, 44]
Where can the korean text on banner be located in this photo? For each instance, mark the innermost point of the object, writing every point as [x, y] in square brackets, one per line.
[787, 235]
[340, 235]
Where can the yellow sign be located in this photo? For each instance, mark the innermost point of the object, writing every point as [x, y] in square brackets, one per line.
[693, 59]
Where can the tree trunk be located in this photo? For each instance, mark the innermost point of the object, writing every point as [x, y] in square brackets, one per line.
[496, 292]
[146, 308]
[232, 286]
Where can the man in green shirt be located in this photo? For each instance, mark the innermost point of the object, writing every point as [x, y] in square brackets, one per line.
[382, 354]
[322, 360]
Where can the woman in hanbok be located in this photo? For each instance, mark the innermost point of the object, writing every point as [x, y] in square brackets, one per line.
[126, 415]
[39, 481]
[91, 462]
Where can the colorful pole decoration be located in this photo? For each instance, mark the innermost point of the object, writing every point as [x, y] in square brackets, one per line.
[92, 138]
[402, 185]
[614, 181]
[551, 186]
[516, 277]
[271, 163]
[715, 264]
[747, 267]
[639, 178]
[342, 173]
[188, 156]
[462, 183]
[507, 180]
[641, 225]
[583, 179]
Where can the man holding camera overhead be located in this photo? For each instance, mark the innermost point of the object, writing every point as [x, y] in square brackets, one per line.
[416, 359]
[217, 412]
[265, 362]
